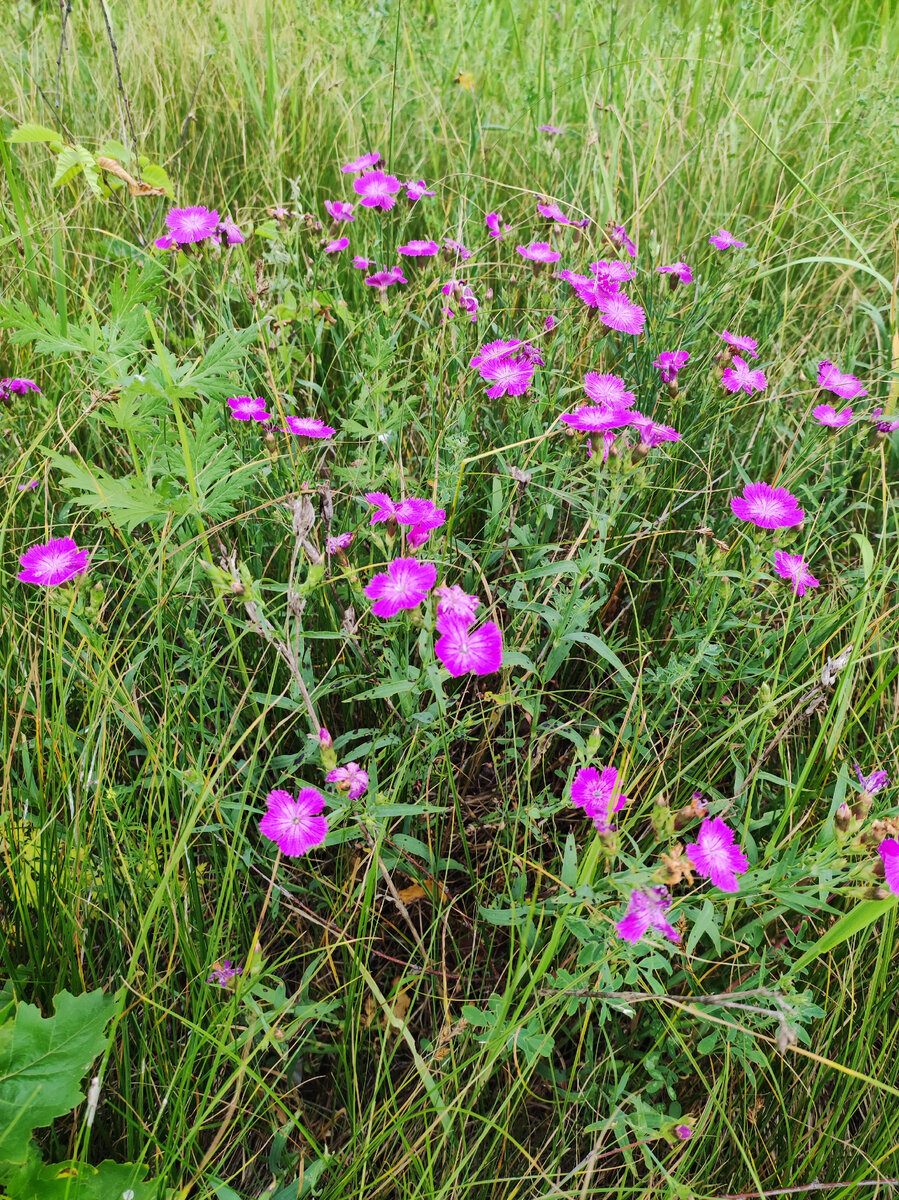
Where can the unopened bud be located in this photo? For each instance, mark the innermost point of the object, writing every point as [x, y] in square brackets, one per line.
[843, 818]
[237, 588]
[862, 806]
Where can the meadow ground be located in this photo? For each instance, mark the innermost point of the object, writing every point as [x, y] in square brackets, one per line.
[487, 972]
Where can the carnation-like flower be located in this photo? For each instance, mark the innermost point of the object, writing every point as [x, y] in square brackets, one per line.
[495, 225]
[53, 563]
[619, 313]
[26, 487]
[541, 252]
[597, 418]
[419, 249]
[608, 391]
[462, 648]
[422, 529]
[550, 323]
[593, 292]
[455, 602]
[794, 568]
[338, 543]
[248, 408]
[195, 224]
[223, 974]
[679, 269]
[456, 248]
[611, 273]
[618, 237]
[405, 584]
[832, 379]
[747, 344]
[377, 189]
[722, 240]
[382, 280]
[339, 210]
[884, 425]
[493, 351]
[337, 245]
[231, 232]
[417, 189]
[716, 856]
[362, 162]
[294, 824]
[350, 779]
[16, 387]
[552, 129]
[741, 375]
[873, 783]
[510, 376]
[553, 212]
[670, 362]
[598, 794]
[651, 432]
[646, 910]
[768, 507]
[889, 852]
[405, 512]
[826, 414]
[360, 263]
[308, 427]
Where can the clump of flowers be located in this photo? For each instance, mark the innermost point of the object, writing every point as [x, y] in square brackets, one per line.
[53, 563]
[294, 823]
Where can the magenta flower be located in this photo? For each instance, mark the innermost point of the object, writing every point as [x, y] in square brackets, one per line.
[550, 323]
[16, 387]
[350, 779]
[338, 543]
[553, 212]
[454, 247]
[377, 189]
[308, 427]
[874, 783]
[361, 264]
[680, 269]
[608, 391]
[747, 344]
[493, 351]
[593, 292]
[598, 794]
[646, 910]
[618, 237]
[53, 563]
[715, 855]
[455, 602]
[722, 240]
[884, 426]
[794, 568]
[422, 529]
[670, 362]
[405, 512]
[510, 376]
[294, 824]
[232, 233]
[26, 487]
[768, 507]
[416, 189]
[339, 210]
[651, 432]
[165, 242]
[619, 313]
[337, 245]
[553, 129]
[222, 975]
[495, 224]
[833, 380]
[382, 280]
[469, 302]
[248, 408]
[889, 852]
[360, 164]
[419, 249]
[597, 418]
[195, 224]
[405, 584]
[684, 1132]
[826, 414]
[462, 648]
[541, 252]
[741, 375]
[612, 273]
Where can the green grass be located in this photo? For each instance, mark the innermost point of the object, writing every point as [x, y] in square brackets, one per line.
[142, 725]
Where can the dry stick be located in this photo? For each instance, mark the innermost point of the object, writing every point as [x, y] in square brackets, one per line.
[65, 9]
[125, 102]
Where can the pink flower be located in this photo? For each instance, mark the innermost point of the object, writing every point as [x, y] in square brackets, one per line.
[416, 190]
[454, 247]
[741, 375]
[419, 249]
[826, 414]
[462, 648]
[337, 245]
[195, 224]
[884, 426]
[747, 344]
[794, 568]
[715, 856]
[597, 418]
[377, 189]
[670, 362]
[541, 252]
[53, 563]
[510, 376]
[294, 824]
[680, 269]
[889, 852]
[338, 543]
[308, 427]
[338, 210]
[248, 408]
[598, 794]
[25, 487]
[422, 529]
[618, 237]
[360, 263]
[833, 380]
[552, 212]
[224, 974]
[592, 292]
[16, 387]
[405, 584]
[651, 433]
[405, 512]
[350, 779]
[469, 302]
[553, 129]
[608, 391]
[382, 280]
[361, 163]
[493, 351]
[722, 240]
[454, 602]
[165, 242]
[619, 313]
[646, 910]
[494, 221]
[684, 1132]
[232, 233]
[612, 273]
[768, 507]
[550, 323]
[874, 783]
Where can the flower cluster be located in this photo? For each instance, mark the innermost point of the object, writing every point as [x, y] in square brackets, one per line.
[190, 226]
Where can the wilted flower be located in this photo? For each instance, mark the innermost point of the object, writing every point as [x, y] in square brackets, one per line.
[462, 648]
[794, 568]
[646, 910]
[549, 129]
[889, 852]
[833, 380]
[494, 222]
[53, 563]
[405, 584]
[768, 507]
[223, 974]
[618, 237]
[377, 189]
[248, 408]
[350, 779]
[419, 249]
[619, 313]
[890, 425]
[416, 190]
[715, 855]
[826, 414]
[337, 245]
[598, 794]
[338, 543]
[747, 344]
[683, 1132]
[293, 824]
[456, 248]
[874, 783]
[231, 232]
[550, 323]
[741, 375]
[361, 163]
[670, 362]
[722, 240]
[679, 270]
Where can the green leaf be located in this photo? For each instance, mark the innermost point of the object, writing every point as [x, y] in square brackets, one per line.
[158, 176]
[68, 165]
[127, 501]
[569, 862]
[853, 922]
[73, 1180]
[42, 1061]
[597, 644]
[36, 133]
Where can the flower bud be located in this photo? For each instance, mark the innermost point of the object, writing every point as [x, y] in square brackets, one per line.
[843, 818]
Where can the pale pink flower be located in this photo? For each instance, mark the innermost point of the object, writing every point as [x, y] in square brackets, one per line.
[608, 391]
[826, 414]
[552, 129]
[248, 408]
[678, 269]
[541, 252]
[405, 584]
[646, 910]
[294, 824]
[833, 380]
[350, 779]
[455, 602]
[741, 375]
[889, 853]
[722, 240]
[768, 507]
[794, 568]
[339, 210]
[747, 344]
[619, 313]
[462, 648]
[419, 249]
[376, 189]
[361, 163]
[715, 855]
[598, 793]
